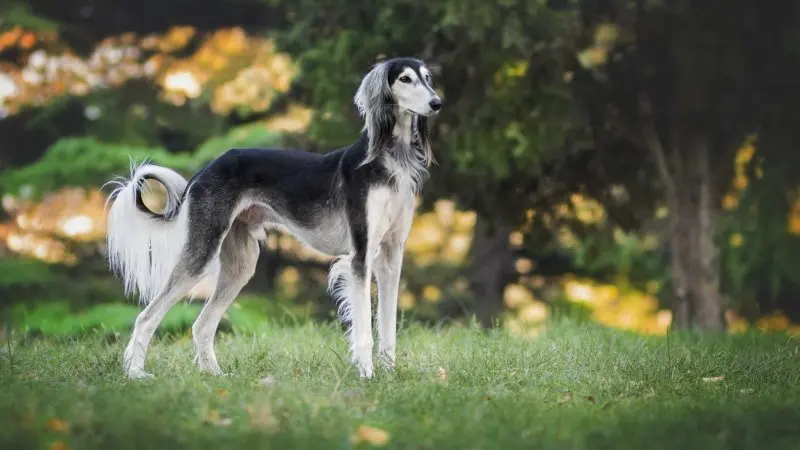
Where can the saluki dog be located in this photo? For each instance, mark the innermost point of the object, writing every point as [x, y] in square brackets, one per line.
[355, 203]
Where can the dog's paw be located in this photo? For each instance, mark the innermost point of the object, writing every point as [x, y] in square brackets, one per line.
[387, 362]
[216, 371]
[365, 370]
[138, 374]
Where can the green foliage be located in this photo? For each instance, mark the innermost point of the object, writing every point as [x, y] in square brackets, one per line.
[577, 386]
[763, 268]
[60, 319]
[20, 14]
[85, 161]
[251, 135]
[18, 272]
[506, 110]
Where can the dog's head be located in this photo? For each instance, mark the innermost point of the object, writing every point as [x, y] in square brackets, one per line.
[402, 82]
[397, 86]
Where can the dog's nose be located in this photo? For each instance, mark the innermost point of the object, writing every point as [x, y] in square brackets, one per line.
[436, 104]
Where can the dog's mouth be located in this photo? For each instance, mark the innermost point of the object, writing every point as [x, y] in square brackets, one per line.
[430, 113]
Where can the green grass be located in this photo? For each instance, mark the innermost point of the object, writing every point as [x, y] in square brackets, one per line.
[578, 386]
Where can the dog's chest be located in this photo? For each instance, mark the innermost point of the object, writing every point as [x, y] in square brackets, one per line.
[386, 210]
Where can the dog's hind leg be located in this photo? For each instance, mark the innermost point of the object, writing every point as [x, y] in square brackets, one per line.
[206, 232]
[147, 321]
[237, 258]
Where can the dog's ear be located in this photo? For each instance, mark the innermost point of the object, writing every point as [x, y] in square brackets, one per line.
[424, 140]
[374, 87]
[374, 101]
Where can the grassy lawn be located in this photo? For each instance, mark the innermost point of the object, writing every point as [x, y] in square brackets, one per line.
[577, 386]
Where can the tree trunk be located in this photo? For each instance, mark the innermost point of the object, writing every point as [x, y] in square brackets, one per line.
[689, 189]
[694, 253]
[490, 261]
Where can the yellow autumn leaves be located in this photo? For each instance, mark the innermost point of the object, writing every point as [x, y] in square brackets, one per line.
[744, 156]
[730, 201]
[37, 228]
[444, 234]
[234, 70]
[229, 69]
[605, 37]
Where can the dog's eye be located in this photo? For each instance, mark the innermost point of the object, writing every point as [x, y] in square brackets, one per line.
[405, 79]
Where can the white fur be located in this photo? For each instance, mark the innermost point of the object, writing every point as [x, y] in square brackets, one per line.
[387, 273]
[389, 216]
[132, 235]
[415, 95]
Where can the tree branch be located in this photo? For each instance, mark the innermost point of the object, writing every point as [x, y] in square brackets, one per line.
[653, 144]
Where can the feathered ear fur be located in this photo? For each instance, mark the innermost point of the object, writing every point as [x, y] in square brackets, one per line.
[374, 101]
[424, 140]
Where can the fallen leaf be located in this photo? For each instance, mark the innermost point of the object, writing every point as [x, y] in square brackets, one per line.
[441, 373]
[261, 417]
[268, 381]
[713, 379]
[212, 416]
[57, 425]
[567, 397]
[58, 445]
[224, 422]
[370, 435]
[215, 418]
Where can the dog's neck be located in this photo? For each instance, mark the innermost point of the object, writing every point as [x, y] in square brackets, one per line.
[404, 127]
[403, 162]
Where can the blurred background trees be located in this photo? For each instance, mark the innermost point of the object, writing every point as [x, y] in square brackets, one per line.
[626, 161]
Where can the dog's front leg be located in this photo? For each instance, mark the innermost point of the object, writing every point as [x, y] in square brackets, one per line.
[368, 227]
[388, 267]
[361, 342]
[387, 272]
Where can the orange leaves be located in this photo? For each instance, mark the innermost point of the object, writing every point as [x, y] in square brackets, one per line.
[21, 38]
[730, 202]
[794, 218]
[373, 436]
[57, 425]
[58, 445]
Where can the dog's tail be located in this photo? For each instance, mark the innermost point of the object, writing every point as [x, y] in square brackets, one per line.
[143, 246]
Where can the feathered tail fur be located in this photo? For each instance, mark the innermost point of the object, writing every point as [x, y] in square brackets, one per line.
[143, 246]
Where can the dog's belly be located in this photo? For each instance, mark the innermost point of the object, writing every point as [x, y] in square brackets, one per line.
[329, 235]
